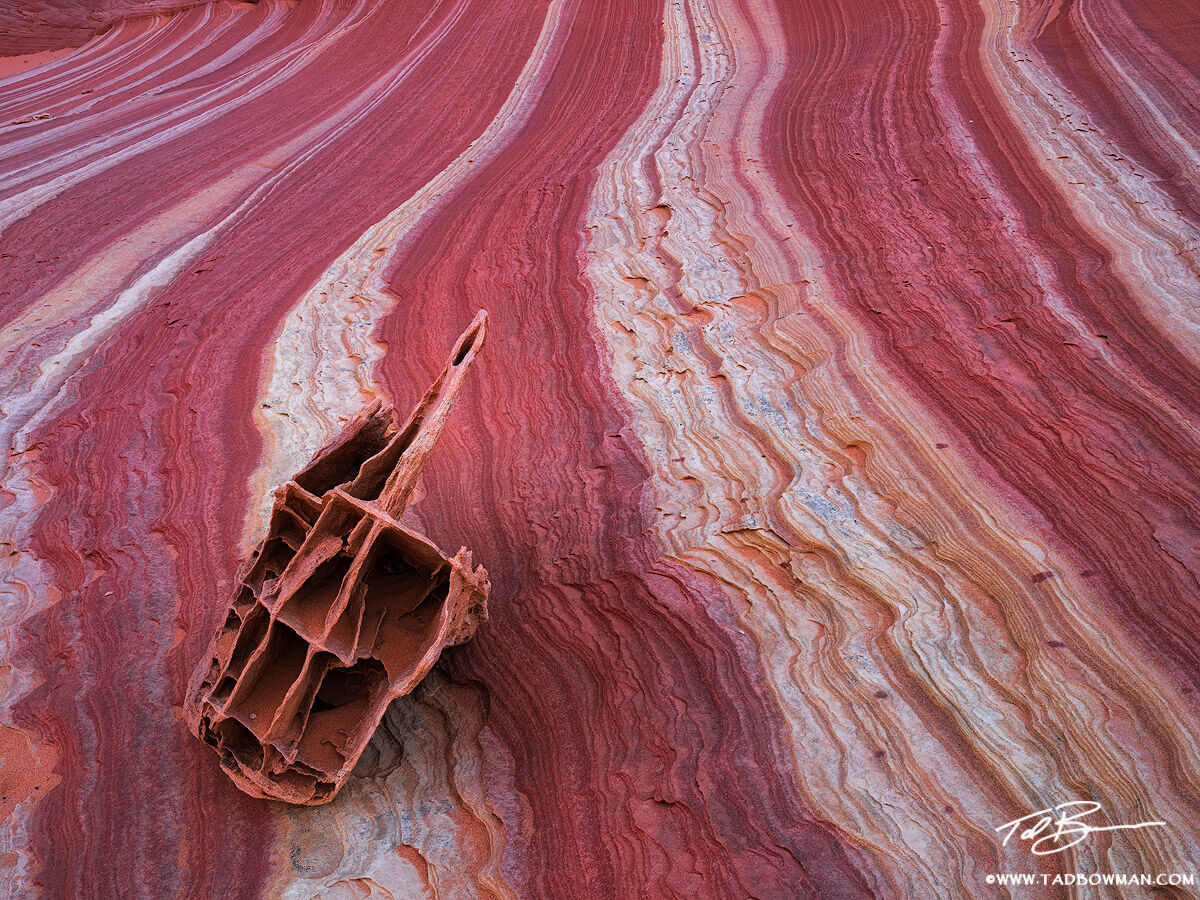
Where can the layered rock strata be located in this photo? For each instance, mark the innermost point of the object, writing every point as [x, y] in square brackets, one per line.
[834, 457]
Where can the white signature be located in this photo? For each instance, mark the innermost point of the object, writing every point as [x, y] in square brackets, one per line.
[1055, 829]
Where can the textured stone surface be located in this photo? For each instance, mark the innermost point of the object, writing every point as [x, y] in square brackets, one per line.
[833, 458]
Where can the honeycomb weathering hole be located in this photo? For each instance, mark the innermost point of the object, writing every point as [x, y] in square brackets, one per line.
[340, 609]
[344, 687]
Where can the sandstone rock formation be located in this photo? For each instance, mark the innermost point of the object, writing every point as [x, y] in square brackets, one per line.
[340, 609]
[833, 456]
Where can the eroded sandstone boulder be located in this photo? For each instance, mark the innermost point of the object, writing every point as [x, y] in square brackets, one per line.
[341, 608]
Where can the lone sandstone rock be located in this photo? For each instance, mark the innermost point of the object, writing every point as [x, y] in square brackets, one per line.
[340, 609]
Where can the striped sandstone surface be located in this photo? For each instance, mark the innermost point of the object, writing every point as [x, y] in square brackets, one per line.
[834, 458]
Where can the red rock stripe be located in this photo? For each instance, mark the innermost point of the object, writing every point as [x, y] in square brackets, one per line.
[1173, 26]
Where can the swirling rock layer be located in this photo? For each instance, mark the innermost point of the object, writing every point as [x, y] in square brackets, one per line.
[833, 458]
